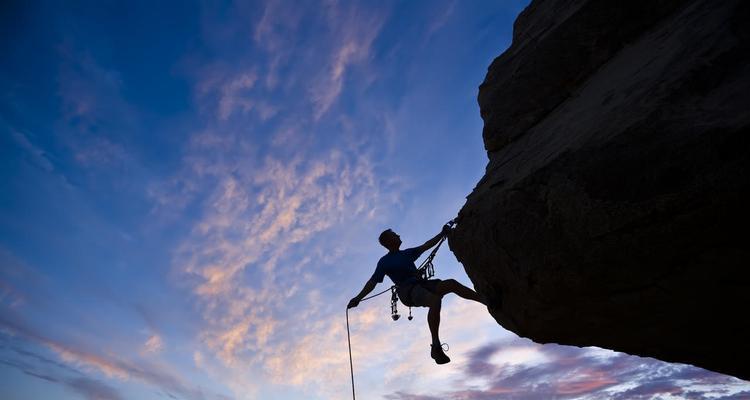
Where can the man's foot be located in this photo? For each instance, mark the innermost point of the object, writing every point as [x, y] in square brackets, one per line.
[438, 355]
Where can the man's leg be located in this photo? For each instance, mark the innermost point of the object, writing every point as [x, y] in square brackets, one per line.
[453, 286]
[433, 321]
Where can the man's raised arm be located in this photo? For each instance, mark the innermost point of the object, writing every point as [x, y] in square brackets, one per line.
[365, 290]
[428, 244]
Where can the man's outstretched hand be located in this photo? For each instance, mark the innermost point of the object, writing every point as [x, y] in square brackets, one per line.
[353, 303]
[447, 229]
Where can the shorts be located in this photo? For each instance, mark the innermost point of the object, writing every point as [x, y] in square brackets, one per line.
[419, 294]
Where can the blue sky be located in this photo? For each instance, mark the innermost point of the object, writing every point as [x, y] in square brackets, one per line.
[191, 192]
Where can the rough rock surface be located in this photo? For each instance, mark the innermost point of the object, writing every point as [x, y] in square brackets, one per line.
[614, 208]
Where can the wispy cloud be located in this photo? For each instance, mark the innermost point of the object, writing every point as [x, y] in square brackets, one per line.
[353, 32]
[93, 390]
[441, 18]
[63, 375]
[37, 156]
[100, 152]
[266, 224]
[109, 365]
[276, 32]
[251, 225]
[350, 30]
[87, 89]
[95, 116]
[154, 344]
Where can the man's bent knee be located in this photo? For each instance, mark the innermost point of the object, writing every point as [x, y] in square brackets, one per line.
[448, 286]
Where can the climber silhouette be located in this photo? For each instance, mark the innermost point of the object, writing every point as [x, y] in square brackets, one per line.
[412, 290]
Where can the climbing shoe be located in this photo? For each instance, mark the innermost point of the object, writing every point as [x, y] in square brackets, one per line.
[438, 355]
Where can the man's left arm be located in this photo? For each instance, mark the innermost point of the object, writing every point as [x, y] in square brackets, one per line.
[364, 292]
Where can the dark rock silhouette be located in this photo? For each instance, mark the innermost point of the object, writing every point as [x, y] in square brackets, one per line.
[614, 208]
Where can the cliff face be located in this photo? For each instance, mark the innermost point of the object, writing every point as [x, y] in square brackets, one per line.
[614, 208]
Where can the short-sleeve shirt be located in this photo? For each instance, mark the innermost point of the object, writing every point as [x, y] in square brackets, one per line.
[399, 266]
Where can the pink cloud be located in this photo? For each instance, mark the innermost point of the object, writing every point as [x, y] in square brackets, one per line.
[584, 383]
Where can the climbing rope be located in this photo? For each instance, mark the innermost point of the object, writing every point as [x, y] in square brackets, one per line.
[426, 271]
[349, 340]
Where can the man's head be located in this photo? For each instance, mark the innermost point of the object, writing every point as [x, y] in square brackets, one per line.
[390, 240]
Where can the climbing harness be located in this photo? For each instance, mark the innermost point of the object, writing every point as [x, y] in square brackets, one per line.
[426, 271]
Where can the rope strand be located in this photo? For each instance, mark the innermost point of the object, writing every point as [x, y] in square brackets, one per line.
[375, 295]
[351, 365]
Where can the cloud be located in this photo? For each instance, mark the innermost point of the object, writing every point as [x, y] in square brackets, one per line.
[154, 344]
[407, 396]
[354, 30]
[235, 95]
[37, 156]
[440, 19]
[277, 24]
[95, 119]
[99, 152]
[279, 202]
[86, 88]
[317, 356]
[75, 357]
[260, 218]
[44, 360]
[735, 396]
[28, 369]
[10, 295]
[250, 223]
[314, 67]
[277, 33]
[92, 389]
[253, 259]
[479, 361]
[260, 236]
[41, 367]
[570, 372]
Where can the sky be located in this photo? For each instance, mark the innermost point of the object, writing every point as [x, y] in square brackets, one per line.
[191, 192]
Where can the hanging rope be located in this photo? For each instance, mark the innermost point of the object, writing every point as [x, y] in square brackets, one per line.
[349, 340]
[349, 337]
[426, 271]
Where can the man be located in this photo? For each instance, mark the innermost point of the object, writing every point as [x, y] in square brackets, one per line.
[413, 291]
